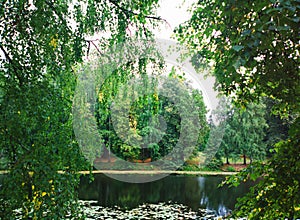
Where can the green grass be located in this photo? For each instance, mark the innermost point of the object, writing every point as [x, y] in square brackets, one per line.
[235, 161]
[230, 169]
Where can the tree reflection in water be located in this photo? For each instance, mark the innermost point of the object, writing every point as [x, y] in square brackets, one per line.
[195, 192]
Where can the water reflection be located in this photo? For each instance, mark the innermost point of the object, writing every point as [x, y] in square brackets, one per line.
[195, 192]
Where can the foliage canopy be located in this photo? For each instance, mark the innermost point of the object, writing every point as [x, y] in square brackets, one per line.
[254, 46]
[41, 42]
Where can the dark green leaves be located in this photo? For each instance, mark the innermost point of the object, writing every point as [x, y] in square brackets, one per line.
[41, 44]
[237, 48]
[256, 54]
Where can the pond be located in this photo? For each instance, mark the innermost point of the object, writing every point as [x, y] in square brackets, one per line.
[192, 191]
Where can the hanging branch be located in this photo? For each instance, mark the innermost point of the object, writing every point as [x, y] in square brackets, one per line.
[12, 64]
[127, 12]
[58, 15]
[5, 54]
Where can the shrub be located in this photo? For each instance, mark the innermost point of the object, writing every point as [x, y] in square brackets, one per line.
[214, 164]
[230, 169]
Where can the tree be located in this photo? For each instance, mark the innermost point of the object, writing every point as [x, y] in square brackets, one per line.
[41, 42]
[249, 127]
[144, 122]
[224, 114]
[255, 49]
[204, 131]
[244, 131]
[278, 127]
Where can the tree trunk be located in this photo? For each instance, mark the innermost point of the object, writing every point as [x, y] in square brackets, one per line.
[245, 161]
[105, 153]
[227, 161]
[109, 154]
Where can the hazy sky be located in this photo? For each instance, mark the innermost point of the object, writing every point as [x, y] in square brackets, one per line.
[175, 12]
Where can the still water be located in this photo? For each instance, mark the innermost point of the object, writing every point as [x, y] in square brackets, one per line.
[194, 192]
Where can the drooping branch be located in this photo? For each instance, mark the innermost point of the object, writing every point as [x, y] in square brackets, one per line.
[58, 15]
[5, 54]
[10, 60]
[127, 11]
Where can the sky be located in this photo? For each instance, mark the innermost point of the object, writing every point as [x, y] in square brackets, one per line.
[175, 12]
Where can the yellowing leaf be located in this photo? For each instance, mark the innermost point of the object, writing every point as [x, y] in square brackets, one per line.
[100, 97]
[53, 42]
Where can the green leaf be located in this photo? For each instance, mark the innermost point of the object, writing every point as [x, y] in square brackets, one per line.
[238, 47]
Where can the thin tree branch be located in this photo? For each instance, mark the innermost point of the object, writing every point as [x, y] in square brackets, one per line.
[12, 64]
[88, 50]
[126, 11]
[58, 15]
[92, 42]
[5, 54]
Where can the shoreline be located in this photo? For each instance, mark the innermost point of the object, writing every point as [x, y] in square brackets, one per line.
[151, 172]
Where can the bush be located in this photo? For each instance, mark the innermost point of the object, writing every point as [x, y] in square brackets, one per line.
[214, 164]
[230, 169]
[190, 167]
